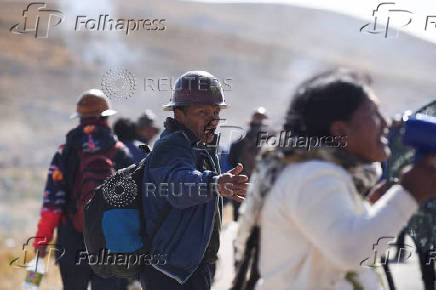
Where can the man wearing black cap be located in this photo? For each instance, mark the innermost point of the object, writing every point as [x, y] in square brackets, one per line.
[183, 217]
[90, 150]
[246, 149]
[145, 127]
[135, 134]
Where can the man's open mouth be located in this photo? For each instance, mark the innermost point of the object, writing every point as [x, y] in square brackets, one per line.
[209, 131]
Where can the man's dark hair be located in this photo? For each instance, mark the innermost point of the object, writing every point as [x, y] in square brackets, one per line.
[181, 108]
[323, 99]
[124, 129]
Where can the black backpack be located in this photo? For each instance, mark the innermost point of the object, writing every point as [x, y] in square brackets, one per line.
[114, 227]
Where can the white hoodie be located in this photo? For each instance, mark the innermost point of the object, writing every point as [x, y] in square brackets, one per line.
[315, 228]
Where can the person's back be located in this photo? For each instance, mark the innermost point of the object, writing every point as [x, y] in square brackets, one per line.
[91, 145]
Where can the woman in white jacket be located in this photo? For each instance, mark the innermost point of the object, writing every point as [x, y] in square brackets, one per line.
[316, 230]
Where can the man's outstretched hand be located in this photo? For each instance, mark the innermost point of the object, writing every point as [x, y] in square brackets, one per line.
[232, 185]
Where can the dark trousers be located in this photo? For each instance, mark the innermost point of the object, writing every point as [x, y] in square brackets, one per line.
[201, 279]
[427, 269]
[76, 276]
[236, 206]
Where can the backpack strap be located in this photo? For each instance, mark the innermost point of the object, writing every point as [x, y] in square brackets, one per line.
[140, 171]
[145, 148]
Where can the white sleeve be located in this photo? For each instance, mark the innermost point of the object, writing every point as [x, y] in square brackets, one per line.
[323, 209]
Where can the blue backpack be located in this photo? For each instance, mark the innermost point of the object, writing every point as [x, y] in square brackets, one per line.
[114, 227]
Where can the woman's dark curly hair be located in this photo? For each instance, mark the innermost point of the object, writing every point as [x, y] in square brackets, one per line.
[327, 97]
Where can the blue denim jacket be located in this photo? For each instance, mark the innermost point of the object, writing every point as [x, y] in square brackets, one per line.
[188, 172]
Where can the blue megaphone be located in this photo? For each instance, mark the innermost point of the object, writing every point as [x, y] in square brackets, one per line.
[420, 133]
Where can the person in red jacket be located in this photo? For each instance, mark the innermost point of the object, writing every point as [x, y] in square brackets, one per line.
[91, 137]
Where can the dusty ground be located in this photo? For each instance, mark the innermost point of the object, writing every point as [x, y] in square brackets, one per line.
[406, 276]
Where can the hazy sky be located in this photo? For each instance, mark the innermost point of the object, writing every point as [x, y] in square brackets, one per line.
[363, 9]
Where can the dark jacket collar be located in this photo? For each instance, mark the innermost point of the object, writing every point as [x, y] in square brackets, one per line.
[171, 125]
